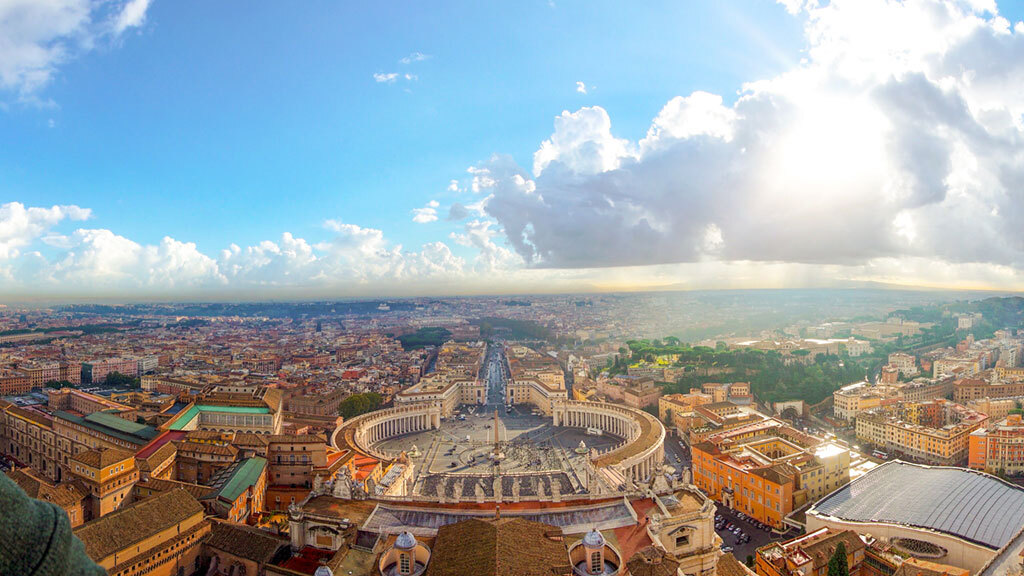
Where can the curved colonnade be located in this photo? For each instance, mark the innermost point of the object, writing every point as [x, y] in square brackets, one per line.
[361, 433]
[644, 450]
[638, 458]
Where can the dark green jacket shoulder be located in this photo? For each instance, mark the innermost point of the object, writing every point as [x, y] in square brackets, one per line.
[36, 538]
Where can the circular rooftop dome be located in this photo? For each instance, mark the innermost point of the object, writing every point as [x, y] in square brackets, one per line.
[593, 539]
[405, 541]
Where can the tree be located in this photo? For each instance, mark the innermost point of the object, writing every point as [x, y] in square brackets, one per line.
[837, 565]
[358, 404]
[57, 384]
[118, 379]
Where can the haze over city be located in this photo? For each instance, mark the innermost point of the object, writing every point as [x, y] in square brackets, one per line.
[512, 288]
[183, 150]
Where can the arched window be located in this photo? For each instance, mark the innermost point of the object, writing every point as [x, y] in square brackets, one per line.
[596, 565]
[404, 564]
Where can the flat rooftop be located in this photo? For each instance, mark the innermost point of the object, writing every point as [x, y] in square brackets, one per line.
[963, 503]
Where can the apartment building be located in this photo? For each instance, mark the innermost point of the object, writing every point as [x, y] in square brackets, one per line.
[851, 400]
[39, 373]
[676, 410]
[986, 385]
[27, 437]
[645, 393]
[999, 447]
[768, 469]
[905, 363]
[13, 382]
[96, 371]
[932, 432]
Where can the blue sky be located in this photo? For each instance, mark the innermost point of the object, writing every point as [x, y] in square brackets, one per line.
[220, 123]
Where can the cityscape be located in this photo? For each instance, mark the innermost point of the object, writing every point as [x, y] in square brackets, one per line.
[435, 435]
[534, 288]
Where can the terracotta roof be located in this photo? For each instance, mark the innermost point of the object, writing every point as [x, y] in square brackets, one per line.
[102, 457]
[706, 447]
[728, 565]
[198, 448]
[32, 415]
[128, 526]
[821, 550]
[249, 439]
[64, 494]
[777, 473]
[160, 485]
[157, 458]
[652, 561]
[245, 542]
[506, 546]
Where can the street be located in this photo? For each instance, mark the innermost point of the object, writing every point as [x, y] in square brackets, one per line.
[758, 537]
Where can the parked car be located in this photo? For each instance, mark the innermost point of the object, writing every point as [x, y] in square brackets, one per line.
[726, 549]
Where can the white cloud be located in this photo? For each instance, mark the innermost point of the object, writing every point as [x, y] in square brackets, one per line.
[20, 226]
[583, 142]
[132, 15]
[414, 57]
[581, 87]
[700, 114]
[392, 77]
[99, 259]
[426, 214]
[491, 258]
[94, 262]
[38, 36]
[899, 137]
[481, 179]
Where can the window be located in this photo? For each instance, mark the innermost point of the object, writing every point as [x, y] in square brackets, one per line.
[595, 562]
[683, 540]
[404, 566]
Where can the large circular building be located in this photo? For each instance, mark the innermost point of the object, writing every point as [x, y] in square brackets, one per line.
[948, 515]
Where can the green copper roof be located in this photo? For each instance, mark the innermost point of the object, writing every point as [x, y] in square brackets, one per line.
[230, 483]
[187, 416]
[114, 426]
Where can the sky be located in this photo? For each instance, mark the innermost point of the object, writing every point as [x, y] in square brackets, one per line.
[217, 150]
